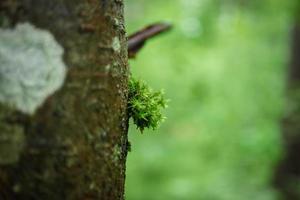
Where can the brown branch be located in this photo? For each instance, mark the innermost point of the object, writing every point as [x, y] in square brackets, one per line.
[138, 39]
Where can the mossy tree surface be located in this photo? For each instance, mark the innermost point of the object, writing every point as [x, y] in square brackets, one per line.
[75, 145]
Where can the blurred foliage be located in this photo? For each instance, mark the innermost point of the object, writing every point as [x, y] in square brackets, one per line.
[223, 67]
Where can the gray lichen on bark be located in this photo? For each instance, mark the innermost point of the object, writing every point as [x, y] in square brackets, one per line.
[31, 67]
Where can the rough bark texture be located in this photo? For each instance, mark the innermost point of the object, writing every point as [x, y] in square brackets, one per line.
[76, 143]
[288, 173]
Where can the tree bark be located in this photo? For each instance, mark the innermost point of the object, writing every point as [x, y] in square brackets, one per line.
[75, 144]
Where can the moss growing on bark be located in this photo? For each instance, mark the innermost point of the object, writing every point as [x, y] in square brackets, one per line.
[145, 105]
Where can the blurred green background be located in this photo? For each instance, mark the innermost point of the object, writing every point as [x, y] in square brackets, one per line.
[223, 67]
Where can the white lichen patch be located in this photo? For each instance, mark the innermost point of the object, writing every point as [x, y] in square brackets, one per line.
[116, 44]
[31, 67]
[107, 68]
[116, 22]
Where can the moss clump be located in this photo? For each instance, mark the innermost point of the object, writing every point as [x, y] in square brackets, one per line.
[145, 105]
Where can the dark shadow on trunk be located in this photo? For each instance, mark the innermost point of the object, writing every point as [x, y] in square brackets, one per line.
[287, 175]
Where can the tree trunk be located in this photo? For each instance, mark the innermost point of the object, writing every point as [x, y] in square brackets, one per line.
[287, 177]
[74, 146]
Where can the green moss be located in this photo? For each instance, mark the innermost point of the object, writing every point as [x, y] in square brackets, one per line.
[117, 154]
[4, 21]
[12, 138]
[145, 105]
